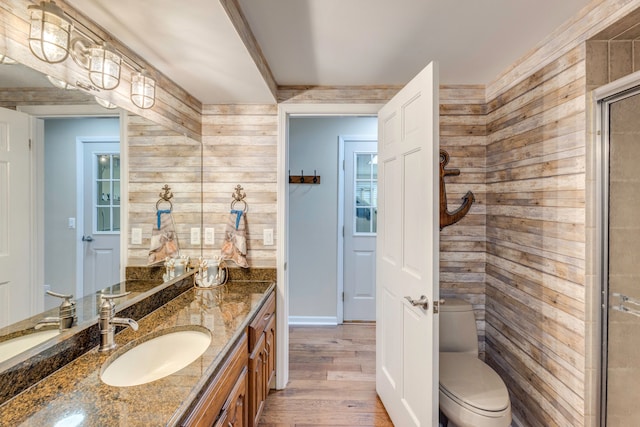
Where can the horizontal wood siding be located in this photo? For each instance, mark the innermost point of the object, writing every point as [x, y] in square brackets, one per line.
[159, 156]
[240, 147]
[535, 237]
[463, 134]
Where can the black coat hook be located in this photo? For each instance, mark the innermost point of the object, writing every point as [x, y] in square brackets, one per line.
[315, 177]
[302, 176]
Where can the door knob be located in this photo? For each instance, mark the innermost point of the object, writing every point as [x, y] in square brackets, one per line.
[423, 302]
[87, 238]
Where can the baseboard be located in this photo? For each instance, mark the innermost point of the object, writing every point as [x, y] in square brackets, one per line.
[313, 320]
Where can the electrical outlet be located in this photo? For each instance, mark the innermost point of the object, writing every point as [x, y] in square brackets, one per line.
[195, 235]
[267, 237]
[136, 236]
[209, 236]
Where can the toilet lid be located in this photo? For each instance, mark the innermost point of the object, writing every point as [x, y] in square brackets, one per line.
[472, 383]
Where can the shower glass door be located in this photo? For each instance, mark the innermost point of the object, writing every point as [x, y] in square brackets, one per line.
[621, 263]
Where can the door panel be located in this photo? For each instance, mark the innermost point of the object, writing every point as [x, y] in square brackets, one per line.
[407, 261]
[101, 244]
[360, 227]
[15, 220]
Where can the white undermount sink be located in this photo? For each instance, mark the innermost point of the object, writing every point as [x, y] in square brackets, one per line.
[151, 359]
[10, 348]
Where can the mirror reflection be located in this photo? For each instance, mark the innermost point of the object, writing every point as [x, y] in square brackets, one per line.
[78, 206]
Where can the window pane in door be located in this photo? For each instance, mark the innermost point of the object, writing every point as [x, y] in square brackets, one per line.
[104, 219]
[365, 193]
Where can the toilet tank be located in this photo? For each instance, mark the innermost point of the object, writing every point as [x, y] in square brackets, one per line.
[458, 332]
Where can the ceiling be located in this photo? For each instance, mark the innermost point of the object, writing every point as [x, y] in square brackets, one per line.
[327, 42]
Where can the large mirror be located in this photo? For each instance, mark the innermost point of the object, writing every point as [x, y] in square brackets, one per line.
[94, 174]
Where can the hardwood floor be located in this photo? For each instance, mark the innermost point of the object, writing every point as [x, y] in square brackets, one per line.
[331, 380]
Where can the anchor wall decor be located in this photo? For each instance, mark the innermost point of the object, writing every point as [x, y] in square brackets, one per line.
[446, 217]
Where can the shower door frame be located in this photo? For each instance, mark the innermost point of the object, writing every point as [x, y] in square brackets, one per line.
[603, 97]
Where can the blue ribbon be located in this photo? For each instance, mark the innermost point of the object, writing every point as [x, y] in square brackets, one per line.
[159, 213]
[238, 216]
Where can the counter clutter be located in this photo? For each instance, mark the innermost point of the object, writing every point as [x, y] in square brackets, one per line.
[75, 395]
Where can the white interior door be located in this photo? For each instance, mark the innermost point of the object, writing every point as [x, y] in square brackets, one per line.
[15, 217]
[101, 224]
[407, 253]
[360, 227]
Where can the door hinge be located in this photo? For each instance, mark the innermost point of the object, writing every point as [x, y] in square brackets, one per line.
[343, 231]
[29, 143]
[285, 266]
[599, 133]
[343, 296]
[343, 165]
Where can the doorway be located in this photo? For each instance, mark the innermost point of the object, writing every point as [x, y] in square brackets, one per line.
[620, 269]
[63, 202]
[316, 218]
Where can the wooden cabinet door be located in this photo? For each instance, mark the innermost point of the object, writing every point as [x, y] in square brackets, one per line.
[235, 412]
[257, 395]
[270, 350]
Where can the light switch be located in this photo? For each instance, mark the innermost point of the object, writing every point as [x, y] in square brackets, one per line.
[209, 236]
[71, 223]
[136, 236]
[267, 237]
[195, 235]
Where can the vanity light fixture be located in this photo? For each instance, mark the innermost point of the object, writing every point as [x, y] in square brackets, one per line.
[143, 90]
[50, 39]
[104, 67]
[49, 32]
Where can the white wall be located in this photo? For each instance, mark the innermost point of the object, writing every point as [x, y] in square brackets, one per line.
[60, 196]
[313, 212]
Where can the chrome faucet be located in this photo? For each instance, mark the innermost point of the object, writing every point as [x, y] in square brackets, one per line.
[108, 321]
[66, 313]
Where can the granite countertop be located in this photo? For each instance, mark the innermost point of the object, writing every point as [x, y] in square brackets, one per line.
[75, 395]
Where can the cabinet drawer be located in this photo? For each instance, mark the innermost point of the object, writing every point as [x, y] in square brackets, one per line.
[257, 327]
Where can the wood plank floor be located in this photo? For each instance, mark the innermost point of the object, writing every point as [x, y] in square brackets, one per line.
[331, 380]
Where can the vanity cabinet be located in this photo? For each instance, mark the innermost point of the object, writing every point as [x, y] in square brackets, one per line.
[262, 345]
[226, 396]
[235, 396]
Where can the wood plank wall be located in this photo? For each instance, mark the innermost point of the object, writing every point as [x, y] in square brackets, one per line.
[240, 145]
[463, 133]
[159, 156]
[535, 294]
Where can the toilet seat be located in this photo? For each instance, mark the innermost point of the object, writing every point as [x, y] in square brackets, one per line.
[473, 385]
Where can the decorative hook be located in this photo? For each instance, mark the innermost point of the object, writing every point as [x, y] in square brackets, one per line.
[448, 218]
[166, 195]
[315, 177]
[302, 176]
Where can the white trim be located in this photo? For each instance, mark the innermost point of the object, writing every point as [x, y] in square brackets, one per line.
[284, 112]
[340, 248]
[313, 320]
[36, 263]
[64, 111]
[615, 87]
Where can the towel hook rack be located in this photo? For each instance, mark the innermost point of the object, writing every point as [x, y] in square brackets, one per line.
[238, 196]
[304, 179]
[165, 196]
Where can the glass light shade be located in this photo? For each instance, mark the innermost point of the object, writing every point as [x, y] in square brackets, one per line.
[143, 90]
[4, 59]
[105, 104]
[104, 67]
[60, 84]
[49, 33]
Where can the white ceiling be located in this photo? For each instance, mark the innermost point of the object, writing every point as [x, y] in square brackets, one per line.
[328, 42]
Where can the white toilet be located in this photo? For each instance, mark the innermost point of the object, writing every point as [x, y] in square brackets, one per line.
[471, 393]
